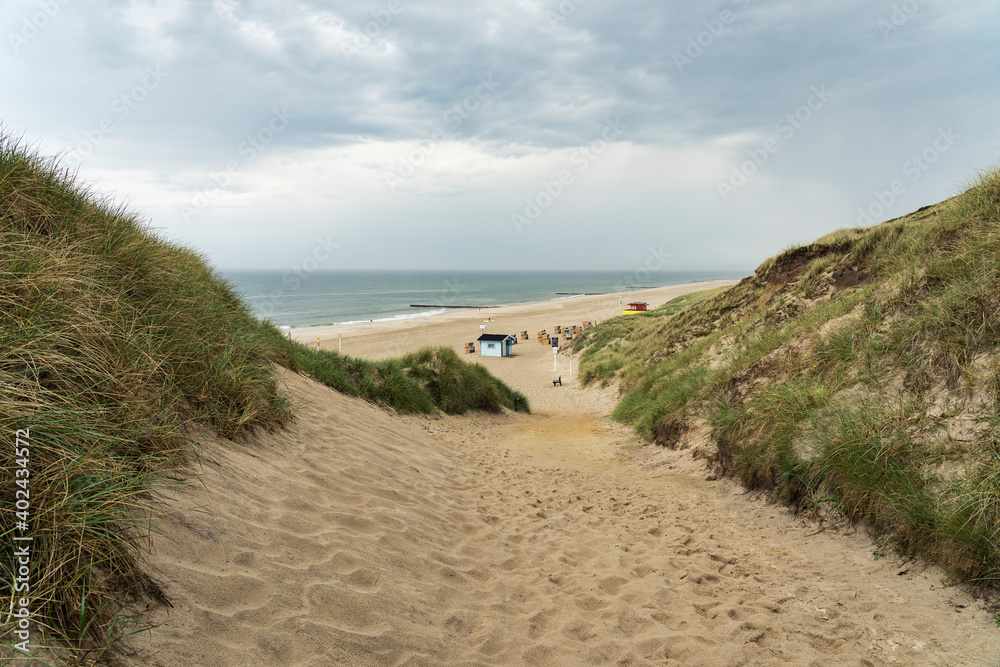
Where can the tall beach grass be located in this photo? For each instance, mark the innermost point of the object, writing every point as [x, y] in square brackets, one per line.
[116, 349]
[861, 371]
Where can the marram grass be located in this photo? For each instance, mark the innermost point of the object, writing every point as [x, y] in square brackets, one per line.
[861, 371]
[113, 343]
[116, 347]
[424, 381]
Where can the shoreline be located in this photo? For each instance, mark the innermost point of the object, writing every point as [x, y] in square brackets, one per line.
[531, 368]
[597, 307]
[430, 308]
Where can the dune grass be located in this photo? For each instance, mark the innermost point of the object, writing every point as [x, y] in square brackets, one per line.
[458, 387]
[113, 344]
[425, 381]
[861, 371]
[607, 349]
[116, 349]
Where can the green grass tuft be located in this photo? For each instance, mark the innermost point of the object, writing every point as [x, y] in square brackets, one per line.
[425, 381]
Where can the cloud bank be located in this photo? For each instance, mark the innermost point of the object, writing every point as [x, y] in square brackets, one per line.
[555, 134]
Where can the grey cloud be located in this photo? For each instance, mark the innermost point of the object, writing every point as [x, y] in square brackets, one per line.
[676, 74]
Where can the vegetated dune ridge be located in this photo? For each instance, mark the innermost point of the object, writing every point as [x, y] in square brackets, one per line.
[117, 346]
[113, 344]
[360, 537]
[860, 372]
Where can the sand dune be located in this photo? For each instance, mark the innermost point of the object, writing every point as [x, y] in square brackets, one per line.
[359, 537]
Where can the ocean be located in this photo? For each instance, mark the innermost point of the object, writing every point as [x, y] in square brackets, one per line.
[327, 298]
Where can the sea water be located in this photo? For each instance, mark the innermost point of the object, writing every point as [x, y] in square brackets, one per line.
[328, 298]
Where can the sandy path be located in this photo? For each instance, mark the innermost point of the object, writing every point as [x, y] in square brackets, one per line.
[360, 537]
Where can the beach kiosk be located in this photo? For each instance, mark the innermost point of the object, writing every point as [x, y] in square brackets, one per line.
[636, 307]
[496, 345]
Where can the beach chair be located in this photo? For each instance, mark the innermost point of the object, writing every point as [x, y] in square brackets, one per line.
[557, 382]
[471, 349]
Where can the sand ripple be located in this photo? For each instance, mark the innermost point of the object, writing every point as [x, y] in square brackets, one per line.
[363, 538]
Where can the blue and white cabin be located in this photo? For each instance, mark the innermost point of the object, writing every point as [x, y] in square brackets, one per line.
[496, 345]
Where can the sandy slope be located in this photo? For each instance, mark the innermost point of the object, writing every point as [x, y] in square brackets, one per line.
[364, 538]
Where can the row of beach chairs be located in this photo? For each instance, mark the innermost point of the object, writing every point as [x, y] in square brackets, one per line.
[566, 332]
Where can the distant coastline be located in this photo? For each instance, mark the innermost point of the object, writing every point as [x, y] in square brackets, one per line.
[324, 299]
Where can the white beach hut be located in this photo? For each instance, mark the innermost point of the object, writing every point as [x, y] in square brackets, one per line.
[496, 345]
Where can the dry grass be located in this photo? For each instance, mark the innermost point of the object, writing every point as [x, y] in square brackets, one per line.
[113, 344]
[819, 413]
[115, 348]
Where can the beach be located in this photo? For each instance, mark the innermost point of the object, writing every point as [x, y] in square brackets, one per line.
[362, 537]
[530, 369]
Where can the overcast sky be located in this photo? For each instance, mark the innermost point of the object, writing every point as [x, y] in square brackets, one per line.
[568, 134]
